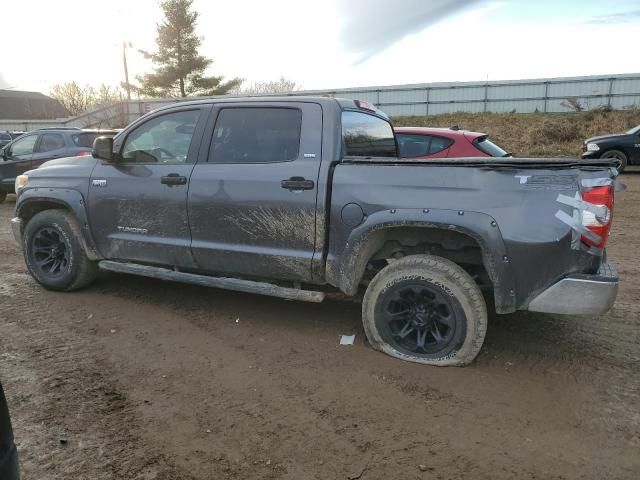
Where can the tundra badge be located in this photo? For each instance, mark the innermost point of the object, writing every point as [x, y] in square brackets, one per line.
[99, 183]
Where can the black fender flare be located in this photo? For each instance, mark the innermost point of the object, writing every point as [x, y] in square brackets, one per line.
[348, 268]
[31, 199]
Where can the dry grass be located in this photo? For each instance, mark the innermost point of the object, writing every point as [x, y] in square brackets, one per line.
[534, 134]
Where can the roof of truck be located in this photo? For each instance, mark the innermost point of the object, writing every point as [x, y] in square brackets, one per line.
[342, 103]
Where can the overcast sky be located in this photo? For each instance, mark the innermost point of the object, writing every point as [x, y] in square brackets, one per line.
[328, 43]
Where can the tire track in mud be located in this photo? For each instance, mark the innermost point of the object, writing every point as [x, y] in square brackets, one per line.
[70, 419]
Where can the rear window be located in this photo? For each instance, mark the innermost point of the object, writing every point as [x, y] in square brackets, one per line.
[5, 136]
[365, 135]
[84, 139]
[487, 146]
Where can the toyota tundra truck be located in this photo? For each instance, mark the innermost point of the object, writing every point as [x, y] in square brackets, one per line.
[298, 197]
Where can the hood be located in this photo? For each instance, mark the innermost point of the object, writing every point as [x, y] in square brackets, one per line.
[605, 137]
[84, 160]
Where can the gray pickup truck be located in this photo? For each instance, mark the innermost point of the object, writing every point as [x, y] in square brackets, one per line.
[300, 196]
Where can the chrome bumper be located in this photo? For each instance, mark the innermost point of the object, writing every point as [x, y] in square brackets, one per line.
[16, 227]
[580, 294]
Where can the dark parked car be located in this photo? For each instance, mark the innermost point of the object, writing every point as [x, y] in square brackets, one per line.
[297, 196]
[624, 147]
[425, 143]
[32, 149]
[8, 452]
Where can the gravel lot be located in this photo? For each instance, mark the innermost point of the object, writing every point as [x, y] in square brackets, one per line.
[139, 379]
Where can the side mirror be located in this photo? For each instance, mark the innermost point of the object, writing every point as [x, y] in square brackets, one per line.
[5, 154]
[103, 148]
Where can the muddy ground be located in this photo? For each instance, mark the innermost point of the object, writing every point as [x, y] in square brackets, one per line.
[139, 379]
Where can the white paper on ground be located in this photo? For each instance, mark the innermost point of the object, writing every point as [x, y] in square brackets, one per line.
[347, 339]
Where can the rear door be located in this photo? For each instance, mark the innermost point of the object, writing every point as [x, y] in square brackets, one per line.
[138, 204]
[48, 147]
[252, 199]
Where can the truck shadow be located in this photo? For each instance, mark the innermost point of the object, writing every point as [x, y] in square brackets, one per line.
[536, 340]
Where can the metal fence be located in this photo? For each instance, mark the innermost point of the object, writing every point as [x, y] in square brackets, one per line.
[522, 96]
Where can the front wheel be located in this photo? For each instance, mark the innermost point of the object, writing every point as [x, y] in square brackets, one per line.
[618, 155]
[425, 309]
[54, 254]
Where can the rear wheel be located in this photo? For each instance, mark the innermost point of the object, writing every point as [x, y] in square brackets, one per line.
[3, 196]
[619, 155]
[53, 252]
[425, 309]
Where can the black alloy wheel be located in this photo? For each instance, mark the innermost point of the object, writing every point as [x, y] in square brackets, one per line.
[51, 252]
[418, 318]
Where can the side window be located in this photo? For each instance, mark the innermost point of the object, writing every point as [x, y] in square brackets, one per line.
[84, 139]
[163, 139]
[412, 146]
[366, 135]
[256, 135]
[50, 141]
[24, 146]
[438, 144]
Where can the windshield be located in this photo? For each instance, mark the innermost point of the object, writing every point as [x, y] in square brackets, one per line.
[634, 130]
[487, 146]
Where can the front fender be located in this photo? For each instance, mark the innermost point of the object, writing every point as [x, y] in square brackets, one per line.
[346, 268]
[33, 200]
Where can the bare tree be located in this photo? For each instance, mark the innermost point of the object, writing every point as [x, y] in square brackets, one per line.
[282, 85]
[573, 103]
[78, 99]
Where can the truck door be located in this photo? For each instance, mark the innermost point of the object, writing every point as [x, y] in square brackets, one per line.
[138, 202]
[16, 161]
[252, 200]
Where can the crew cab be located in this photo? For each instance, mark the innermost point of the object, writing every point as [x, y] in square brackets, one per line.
[300, 196]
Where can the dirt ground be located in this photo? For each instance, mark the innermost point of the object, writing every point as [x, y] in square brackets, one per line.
[139, 379]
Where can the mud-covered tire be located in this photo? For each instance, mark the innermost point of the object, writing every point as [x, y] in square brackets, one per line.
[619, 155]
[445, 293]
[57, 231]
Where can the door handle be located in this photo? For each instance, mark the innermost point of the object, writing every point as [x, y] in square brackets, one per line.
[173, 179]
[297, 183]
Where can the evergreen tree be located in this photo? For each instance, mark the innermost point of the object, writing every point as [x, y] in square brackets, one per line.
[180, 70]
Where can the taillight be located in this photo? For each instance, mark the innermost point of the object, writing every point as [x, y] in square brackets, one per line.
[82, 154]
[598, 219]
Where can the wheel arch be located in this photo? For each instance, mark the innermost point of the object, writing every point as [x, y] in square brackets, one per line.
[423, 229]
[33, 201]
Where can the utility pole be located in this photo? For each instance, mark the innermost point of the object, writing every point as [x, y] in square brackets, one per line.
[126, 69]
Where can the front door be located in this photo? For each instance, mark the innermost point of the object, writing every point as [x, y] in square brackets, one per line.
[252, 200]
[138, 203]
[17, 160]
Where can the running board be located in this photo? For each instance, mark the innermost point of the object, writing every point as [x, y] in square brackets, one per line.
[236, 284]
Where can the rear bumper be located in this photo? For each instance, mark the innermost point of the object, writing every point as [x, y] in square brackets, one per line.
[16, 228]
[580, 294]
